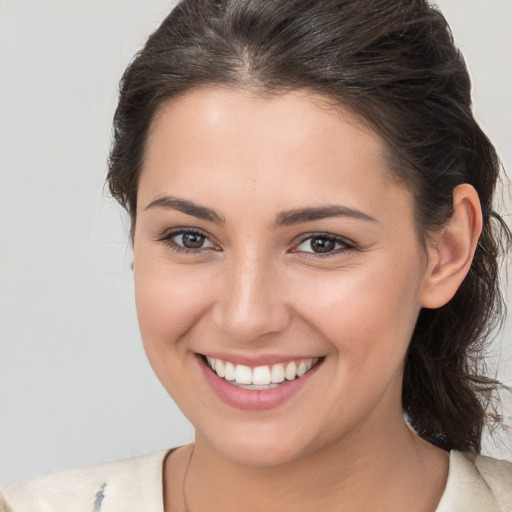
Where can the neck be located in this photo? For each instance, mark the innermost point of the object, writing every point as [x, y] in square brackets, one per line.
[362, 471]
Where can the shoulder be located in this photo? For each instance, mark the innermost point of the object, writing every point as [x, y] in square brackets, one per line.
[497, 475]
[134, 483]
[477, 483]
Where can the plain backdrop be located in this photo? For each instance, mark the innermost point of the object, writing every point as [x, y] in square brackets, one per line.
[75, 386]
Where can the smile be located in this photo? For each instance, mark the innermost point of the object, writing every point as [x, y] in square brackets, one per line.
[258, 387]
[260, 377]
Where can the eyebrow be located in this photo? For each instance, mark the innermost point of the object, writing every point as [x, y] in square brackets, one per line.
[187, 207]
[285, 218]
[290, 217]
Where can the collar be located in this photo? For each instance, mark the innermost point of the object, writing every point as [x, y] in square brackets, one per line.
[474, 484]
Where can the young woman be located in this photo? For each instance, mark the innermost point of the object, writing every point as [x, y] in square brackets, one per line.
[315, 260]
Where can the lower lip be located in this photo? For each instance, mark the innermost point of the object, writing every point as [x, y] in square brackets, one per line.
[254, 400]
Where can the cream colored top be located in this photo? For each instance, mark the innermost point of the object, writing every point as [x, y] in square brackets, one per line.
[475, 484]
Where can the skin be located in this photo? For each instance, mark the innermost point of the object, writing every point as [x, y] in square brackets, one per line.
[255, 288]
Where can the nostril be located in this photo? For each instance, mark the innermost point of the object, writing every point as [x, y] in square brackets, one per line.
[251, 324]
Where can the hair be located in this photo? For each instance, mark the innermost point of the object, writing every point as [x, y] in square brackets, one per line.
[395, 65]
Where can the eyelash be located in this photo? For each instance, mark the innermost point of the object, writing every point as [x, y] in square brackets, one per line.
[347, 246]
[167, 239]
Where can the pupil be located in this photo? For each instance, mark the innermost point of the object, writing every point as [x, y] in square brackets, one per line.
[322, 245]
[193, 240]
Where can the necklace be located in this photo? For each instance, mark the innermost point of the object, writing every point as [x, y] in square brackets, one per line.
[185, 479]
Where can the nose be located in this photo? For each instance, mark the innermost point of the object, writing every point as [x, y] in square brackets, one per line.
[251, 302]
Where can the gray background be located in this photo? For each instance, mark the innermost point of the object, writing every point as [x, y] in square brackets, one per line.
[75, 387]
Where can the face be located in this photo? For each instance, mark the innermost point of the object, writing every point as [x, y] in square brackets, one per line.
[271, 241]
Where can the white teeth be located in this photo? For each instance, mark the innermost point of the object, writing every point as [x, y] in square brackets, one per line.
[243, 374]
[277, 373]
[255, 386]
[261, 377]
[220, 368]
[291, 371]
[229, 371]
[302, 369]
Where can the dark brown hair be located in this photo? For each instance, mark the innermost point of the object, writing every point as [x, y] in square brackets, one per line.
[393, 63]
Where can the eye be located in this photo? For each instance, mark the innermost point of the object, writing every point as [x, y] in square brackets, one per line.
[190, 240]
[323, 244]
[187, 241]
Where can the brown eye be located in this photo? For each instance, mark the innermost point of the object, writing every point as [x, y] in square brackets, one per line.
[188, 241]
[192, 240]
[322, 244]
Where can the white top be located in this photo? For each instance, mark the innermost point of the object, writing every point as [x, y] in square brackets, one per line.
[475, 484]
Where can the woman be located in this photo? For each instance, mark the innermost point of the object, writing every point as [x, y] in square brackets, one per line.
[315, 254]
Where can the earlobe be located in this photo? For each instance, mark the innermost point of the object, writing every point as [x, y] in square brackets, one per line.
[451, 253]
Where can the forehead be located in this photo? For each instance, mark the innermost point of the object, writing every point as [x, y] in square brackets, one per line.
[285, 118]
[218, 143]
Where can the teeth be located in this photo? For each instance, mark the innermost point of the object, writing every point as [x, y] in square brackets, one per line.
[260, 377]
[255, 386]
[243, 374]
[302, 369]
[291, 371]
[277, 373]
[219, 367]
[229, 371]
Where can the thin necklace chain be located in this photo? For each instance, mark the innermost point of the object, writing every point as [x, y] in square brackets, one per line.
[185, 479]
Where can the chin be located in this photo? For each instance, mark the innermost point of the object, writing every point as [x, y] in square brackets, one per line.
[257, 446]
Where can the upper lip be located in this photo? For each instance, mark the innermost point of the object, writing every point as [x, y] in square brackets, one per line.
[258, 360]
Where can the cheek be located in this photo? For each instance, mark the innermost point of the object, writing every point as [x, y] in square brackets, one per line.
[169, 300]
[170, 303]
[368, 314]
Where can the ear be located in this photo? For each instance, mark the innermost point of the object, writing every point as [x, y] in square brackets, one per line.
[451, 251]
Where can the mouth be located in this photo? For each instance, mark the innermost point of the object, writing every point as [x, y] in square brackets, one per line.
[258, 387]
[261, 378]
